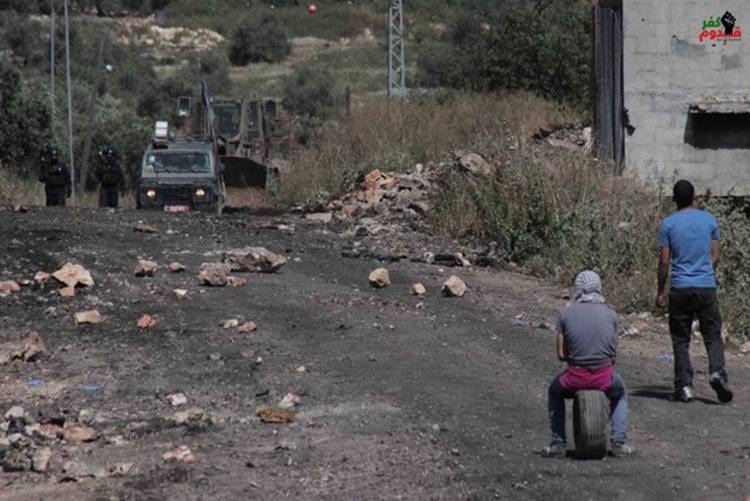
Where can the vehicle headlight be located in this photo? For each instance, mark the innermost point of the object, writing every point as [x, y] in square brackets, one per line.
[200, 192]
[151, 193]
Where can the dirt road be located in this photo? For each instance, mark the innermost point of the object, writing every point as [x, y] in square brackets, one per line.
[401, 398]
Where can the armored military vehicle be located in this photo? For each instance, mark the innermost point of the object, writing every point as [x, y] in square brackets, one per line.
[179, 175]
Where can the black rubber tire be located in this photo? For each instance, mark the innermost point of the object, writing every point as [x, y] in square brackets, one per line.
[590, 424]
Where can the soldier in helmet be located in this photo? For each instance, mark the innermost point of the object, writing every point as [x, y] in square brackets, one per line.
[55, 176]
[109, 174]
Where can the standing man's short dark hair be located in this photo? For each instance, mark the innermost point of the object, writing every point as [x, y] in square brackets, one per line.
[689, 246]
[683, 194]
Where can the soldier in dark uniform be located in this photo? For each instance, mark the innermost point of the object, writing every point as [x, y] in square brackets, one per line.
[55, 176]
[109, 174]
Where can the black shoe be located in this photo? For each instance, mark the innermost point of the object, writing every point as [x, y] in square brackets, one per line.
[719, 382]
[684, 394]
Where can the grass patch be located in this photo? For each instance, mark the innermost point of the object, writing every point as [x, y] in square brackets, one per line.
[395, 136]
[333, 21]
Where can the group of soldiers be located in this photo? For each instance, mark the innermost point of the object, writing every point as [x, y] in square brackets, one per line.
[55, 175]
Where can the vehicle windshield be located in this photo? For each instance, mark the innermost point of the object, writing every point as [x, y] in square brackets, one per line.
[228, 119]
[178, 161]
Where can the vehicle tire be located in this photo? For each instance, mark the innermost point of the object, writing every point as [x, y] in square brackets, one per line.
[590, 424]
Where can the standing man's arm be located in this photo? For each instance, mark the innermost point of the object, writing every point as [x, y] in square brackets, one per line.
[665, 258]
[715, 258]
[662, 274]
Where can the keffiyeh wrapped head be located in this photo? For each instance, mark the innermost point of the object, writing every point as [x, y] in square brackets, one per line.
[588, 288]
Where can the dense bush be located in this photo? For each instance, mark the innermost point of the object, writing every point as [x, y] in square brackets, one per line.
[308, 95]
[259, 39]
[545, 51]
[24, 128]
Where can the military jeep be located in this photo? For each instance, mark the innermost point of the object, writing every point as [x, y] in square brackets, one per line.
[180, 177]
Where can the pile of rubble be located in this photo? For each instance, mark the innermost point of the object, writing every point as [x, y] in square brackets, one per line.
[569, 137]
[385, 207]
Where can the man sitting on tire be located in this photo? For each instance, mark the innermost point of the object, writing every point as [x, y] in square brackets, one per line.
[587, 340]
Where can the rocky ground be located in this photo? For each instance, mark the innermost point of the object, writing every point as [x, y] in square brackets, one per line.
[381, 394]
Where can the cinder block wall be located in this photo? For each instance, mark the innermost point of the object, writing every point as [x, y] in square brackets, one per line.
[667, 68]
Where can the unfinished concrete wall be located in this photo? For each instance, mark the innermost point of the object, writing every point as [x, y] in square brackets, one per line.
[671, 63]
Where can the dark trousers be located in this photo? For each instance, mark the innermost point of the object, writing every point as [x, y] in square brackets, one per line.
[684, 306]
[55, 195]
[108, 196]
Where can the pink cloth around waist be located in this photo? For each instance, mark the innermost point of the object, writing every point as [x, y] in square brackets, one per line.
[578, 378]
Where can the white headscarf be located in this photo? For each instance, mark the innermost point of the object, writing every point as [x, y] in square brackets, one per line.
[588, 288]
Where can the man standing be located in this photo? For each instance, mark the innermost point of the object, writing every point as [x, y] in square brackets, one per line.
[689, 244]
[55, 176]
[110, 176]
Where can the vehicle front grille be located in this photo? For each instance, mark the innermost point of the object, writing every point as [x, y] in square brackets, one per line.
[176, 195]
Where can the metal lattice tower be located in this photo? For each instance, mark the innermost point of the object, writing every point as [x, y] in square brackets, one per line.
[396, 66]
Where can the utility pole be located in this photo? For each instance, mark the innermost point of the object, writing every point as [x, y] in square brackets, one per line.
[52, 32]
[70, 105]
[396, 67]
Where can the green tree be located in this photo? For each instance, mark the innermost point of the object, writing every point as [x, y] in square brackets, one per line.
[25, 124]
[259, 39]
[543, 47]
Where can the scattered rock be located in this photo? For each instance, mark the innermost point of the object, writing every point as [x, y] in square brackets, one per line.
[16, 459]
[454, 287]
[300, 369]
[46, 431]
[146, 322]
[20, 209]
[247, 327]
[8, 287]
[180, 293]
[418, 290]
[379, 278]
[79, 434]
[120, 469]
[275, 415]
[75, 470]
[745, 348]
[73, 275]
[290, 401]
[181, 454]
[145, 268]
[474, 164]
[66, 292]
[320, 217]
[233, 281]
[144, 228]
[231, 324]
[214, 274]
[16, 412]
[176, 267]
[28, 349]
[177, 399]
[41, 277]
[254, 259]
[193, 417]
[89, 317]
[40, 459]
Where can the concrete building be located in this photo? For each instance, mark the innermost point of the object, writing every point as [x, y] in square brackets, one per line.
[672, 86]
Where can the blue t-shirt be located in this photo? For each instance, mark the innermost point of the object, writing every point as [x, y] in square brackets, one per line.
[688, 234]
